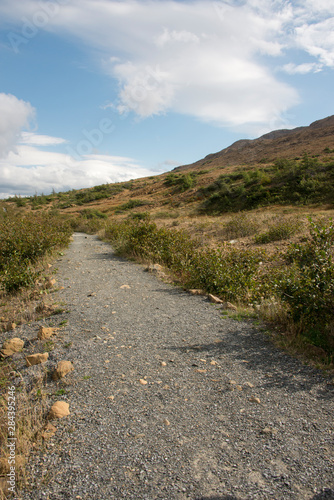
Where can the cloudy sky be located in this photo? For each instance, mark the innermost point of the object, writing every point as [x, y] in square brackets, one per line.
[95, 91]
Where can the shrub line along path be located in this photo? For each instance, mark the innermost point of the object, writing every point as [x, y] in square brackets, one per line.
[171, 400]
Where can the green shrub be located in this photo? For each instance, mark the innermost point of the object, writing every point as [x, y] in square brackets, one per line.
[140, 216]
[92, 213]
[129, 205]
[182, 182]
[308, 285]
[25, 240]
[20, 202]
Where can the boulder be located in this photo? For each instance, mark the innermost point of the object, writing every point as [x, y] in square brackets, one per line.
[50, 283]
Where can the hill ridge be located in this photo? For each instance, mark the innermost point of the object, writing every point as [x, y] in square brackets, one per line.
[278, 143]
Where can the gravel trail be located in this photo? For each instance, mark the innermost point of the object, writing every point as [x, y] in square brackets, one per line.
[171, 400]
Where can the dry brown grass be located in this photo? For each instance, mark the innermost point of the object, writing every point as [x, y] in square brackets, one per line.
[15, 309]
[30, 411]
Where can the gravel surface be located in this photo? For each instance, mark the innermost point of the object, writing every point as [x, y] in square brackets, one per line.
[171, 400]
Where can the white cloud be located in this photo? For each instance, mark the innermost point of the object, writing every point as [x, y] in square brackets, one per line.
[176, 36]
[318, 40]
[40, 140]
[15, 114]
[195, 57]
[204, 59]
[31, 170]
[301, 69]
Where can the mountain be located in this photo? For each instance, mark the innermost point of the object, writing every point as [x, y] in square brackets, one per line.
[313, 140]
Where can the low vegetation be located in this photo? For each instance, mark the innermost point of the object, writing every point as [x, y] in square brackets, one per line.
[24, 240]
[285, 182]
[181, 182]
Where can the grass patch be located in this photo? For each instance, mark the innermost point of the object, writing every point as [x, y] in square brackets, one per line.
[166, 214]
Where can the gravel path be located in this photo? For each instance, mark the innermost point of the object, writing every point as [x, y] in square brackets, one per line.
[171, 400]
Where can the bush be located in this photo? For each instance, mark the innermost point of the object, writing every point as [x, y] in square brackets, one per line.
[98, 193]
[140, 216]
[308, 285]
[25, 240]
[129, 205]
[20, 202]
[92, 214]
[285, 182]
[182, 182]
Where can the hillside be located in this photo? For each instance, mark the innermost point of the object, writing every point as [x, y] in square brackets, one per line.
[313, 140]
[284, 167]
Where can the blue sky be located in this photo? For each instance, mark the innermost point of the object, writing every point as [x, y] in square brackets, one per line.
[95, 91]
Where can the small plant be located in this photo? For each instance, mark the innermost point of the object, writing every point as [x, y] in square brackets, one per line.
[140, 216]
[20, 202]
[60, 392]
[49, 346]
